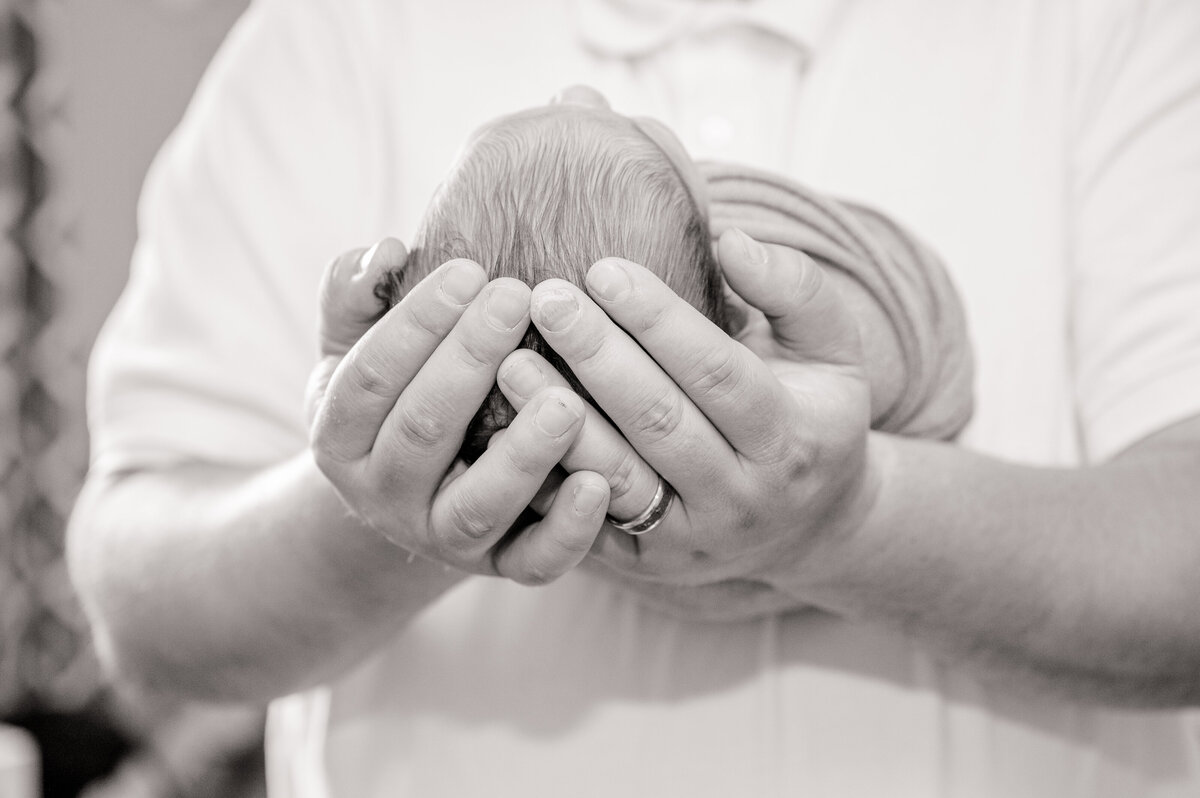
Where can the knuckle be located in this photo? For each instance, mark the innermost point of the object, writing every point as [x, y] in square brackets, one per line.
[420, 425]
[659, 417]
[424, 317]
[468, 519]
[522, 459]
[367, 375]
[585, 351]
[474, 353]
[654, 317]
[543, 567]
[742, 504]
[785, 447]
[534, 574]
[776, 468]
[793, 454]
[622, 476]
[798, 460]
[802, 286]
[716, 373]
[571, 546]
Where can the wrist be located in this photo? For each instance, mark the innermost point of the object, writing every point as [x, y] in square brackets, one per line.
[826, 563]
[354, 544]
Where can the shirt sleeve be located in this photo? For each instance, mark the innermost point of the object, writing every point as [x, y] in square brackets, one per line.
[272, 173]
[1136, 209]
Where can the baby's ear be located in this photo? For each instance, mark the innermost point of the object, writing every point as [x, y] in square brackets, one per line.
[349, 302]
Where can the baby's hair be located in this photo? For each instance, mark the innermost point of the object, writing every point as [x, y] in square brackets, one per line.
[548, 193]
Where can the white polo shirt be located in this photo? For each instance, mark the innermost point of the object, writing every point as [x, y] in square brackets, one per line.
[1050, 151]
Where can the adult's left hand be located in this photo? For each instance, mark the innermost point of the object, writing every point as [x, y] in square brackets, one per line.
[764, 442]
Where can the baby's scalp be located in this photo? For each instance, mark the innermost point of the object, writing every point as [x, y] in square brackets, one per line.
[564, 186]
[546, 193]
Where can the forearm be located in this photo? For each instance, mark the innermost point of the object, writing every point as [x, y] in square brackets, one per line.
[238, 584]
[1078, 580]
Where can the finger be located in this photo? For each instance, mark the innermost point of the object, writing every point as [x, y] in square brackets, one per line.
[348, 303]
[427, 423]
[646, 405]
[737, 312]
[316, 388]
[369, 379]
[560, 541]
[599, 448]
[472, 513]
[733, 387]
[347, 309]
[613, 545]
[808, 317]
[541, 501]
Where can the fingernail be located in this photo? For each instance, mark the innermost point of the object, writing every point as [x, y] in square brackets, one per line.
[524, 378]
[554, 417]
[755, 252]
[556, 310]
[462, 282]
[587, 499]
[608, 280]
[506, 306]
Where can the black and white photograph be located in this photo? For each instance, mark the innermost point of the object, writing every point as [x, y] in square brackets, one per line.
[600, 399]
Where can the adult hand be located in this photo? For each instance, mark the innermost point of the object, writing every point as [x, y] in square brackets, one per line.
[601, 448]
[768, 457]
[390, 403]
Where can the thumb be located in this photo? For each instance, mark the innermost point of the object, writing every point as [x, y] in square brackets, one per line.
[348, 307]
[348, 302]
[808, 318]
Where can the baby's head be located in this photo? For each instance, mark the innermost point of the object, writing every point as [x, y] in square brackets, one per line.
[548, 192]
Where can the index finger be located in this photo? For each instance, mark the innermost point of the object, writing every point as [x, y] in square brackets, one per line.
[734, 389]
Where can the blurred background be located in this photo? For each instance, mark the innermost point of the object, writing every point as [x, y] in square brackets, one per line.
[91, 88]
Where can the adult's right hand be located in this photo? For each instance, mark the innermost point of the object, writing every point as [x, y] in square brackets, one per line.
[769, 461]
[389, 411]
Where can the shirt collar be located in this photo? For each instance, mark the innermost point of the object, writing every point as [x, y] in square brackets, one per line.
[637, 28]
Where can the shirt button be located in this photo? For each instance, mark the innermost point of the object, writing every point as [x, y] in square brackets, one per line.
[716, 130]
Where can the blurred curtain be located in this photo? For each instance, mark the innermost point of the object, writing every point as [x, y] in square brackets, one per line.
[50, 681]
[45, 661]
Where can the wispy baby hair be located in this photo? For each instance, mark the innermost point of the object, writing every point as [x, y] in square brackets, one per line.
[546, 193]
